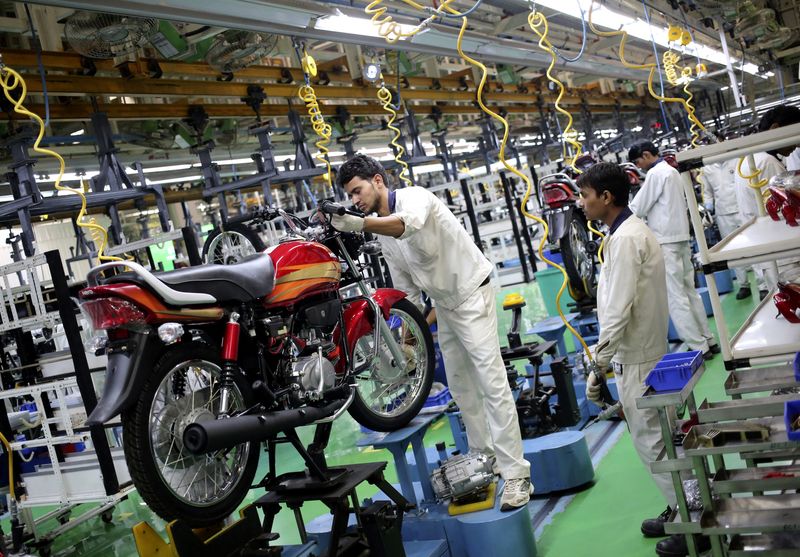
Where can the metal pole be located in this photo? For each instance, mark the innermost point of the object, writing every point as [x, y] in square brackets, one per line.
[82, 374]
[514, 227]
[732, 76]
[473, 219]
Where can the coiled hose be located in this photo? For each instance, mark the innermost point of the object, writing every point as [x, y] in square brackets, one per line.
[11, 80]
[385, 98]
[754, 180]
[323, 130]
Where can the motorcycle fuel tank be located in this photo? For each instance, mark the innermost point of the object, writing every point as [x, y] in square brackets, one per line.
[302, 269]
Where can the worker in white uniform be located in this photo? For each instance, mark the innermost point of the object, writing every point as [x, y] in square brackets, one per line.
[767, 165]
[633, 315]
[426, 248]
[662, 204]
[720, 197]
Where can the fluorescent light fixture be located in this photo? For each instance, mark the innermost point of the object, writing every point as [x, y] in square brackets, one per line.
[604, 17]
[79, 132]
[351, 25]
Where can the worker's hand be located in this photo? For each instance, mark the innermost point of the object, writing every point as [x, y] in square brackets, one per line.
[594, 382]
[347, 223]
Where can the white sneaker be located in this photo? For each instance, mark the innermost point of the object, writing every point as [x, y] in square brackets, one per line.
[516, 493]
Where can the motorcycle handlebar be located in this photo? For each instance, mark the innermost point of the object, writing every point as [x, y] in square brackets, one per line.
[332, 208]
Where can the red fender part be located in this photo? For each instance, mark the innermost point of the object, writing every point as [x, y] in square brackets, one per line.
[358, 316]
[775, 202]
[787, 300]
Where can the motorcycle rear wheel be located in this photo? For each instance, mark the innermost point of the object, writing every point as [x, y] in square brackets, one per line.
[578, 262]
[386, 397]
[200, 490]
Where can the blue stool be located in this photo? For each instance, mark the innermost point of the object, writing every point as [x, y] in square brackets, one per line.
[397, 443]
[589, 328]
[553, 329]
[706, 301]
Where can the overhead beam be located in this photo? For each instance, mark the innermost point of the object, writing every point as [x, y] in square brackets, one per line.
[83, 111]
[83, 85]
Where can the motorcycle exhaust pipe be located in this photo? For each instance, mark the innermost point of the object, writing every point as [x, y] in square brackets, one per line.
[215, 435]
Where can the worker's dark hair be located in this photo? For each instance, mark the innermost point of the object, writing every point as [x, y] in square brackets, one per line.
[607, 176]
[639, 148]
[782, 115]
[360, 166]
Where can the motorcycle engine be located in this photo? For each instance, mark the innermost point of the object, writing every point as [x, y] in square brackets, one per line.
[314, 374]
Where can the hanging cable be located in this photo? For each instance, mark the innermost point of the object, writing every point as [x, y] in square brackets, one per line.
[754, 180]
[385, 98]
[7, 445]
[308, 95]
[11, 80]
[583, 39]
[525, 179]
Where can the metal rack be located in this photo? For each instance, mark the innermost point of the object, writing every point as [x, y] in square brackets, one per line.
[756, 358]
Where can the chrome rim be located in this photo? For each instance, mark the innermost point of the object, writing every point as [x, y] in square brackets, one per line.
[229, 247]
[385, 389]
[190, 393]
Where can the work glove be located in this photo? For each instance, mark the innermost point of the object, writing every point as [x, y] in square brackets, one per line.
[347, 223]
[594, 384]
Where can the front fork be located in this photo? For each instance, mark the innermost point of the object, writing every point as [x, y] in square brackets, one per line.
[230, 355]
[381, 328]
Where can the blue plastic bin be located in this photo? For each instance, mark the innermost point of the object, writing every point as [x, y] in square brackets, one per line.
[791, 410]
[439, 399]
[674, 371]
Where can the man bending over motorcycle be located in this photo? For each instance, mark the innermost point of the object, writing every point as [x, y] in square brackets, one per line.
[426, 248]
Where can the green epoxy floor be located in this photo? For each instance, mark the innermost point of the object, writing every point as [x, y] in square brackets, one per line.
[598, 522]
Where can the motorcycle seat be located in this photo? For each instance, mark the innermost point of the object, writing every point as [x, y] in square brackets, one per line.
[251, 278]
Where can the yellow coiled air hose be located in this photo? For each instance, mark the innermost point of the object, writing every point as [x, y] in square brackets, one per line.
[10, 80]
[385, 98]
[323, 130]
[753, 180]
[522, 177]
[539, 25]
[649, 66]
[671, 62]
[390, 29]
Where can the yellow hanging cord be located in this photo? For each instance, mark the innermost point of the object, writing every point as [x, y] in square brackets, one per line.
[649, 66]
[385, 98]
[538, 23]
[318, 123]
[390, 29]
[7, 445]
[671, 62]
[10, 80]
[522, 177]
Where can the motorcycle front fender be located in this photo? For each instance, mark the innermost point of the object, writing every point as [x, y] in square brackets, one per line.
[359, 318]
[125, 375]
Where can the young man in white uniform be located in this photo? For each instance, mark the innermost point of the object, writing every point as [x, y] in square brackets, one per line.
[662, 204]
[720, 195]
[426, 248]
[633, 315]
[768, 166]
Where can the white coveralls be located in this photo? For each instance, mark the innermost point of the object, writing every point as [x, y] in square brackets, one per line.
[633, 315]
[662, 204]
[719, 190]
[435, 254]
[793, 160]
[748, 206]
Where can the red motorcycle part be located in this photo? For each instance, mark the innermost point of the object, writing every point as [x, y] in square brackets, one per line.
[230, 342]
[359, 318]
[557, 194]
[155, 311]
[787, 300]
[302, 269]
[791, 209]
[776, 200]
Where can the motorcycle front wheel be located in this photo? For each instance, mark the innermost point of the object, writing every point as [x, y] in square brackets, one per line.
[388, 397]
[225, 247]
[199, 489]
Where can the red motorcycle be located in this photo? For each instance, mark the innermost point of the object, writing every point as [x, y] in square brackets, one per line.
[208, 362]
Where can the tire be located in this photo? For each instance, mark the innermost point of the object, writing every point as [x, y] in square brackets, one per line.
[232, 244]
[402, 407]
[160, 482]
[578, 263]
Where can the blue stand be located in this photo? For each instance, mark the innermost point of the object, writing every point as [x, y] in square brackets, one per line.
[397, 443]
[553, 329]
[559, 461]
[706, 301]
